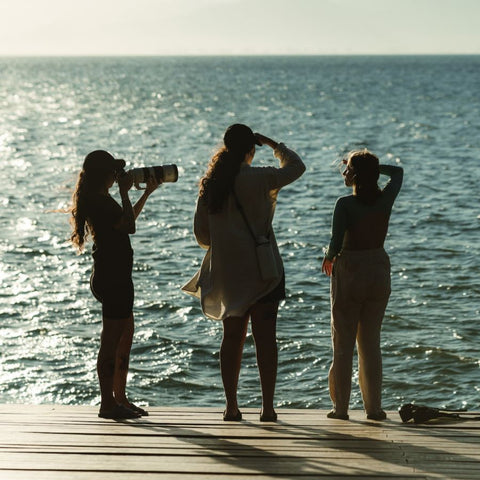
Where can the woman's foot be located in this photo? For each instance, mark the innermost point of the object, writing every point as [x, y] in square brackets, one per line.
[338, 416]
[380, 415]
[123, 400]
[268, 417]
[232, 417]
[119, 412]
[139, 410]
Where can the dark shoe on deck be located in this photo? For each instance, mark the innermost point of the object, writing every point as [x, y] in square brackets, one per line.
[334, 414]
[139, 410]
[232, 418]
[269, 418]
[118, 413]
[381, 415]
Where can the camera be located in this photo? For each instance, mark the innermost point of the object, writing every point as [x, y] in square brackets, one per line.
[165, 173]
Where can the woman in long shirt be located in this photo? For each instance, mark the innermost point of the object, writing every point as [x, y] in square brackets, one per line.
[359, 269]
[94, 212]
[237, 201]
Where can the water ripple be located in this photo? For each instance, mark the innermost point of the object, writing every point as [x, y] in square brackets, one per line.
[419, 112]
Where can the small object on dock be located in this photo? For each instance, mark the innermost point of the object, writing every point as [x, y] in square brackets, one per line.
[423, 414]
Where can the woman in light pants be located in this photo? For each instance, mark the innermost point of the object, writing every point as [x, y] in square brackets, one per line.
[359, 269]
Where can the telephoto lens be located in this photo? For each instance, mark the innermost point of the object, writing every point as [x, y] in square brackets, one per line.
[165, 173]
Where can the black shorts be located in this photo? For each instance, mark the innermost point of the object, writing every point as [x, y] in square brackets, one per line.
[115, 294]
[277, 294]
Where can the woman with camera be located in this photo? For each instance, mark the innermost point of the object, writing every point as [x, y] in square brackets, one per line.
[242, 275]
[359, 269]
[95, 213]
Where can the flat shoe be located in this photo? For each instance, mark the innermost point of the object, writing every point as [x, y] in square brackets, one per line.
[269, 418]
[381, 415]
[119, 413]
[334, 414]
[141, 411]
[232, 418]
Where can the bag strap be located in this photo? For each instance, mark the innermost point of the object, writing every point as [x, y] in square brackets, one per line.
[240, 208]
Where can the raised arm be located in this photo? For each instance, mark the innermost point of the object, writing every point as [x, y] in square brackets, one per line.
[291, 165]
[395, 183]
[151, 186]
[126, 223]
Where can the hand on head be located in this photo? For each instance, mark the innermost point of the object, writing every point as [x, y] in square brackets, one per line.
[260, 139]
[263, 140]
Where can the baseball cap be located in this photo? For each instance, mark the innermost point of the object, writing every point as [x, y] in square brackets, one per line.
[102, 160]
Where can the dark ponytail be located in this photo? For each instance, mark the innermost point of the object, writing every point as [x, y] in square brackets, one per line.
[218, 181]
[78, 218]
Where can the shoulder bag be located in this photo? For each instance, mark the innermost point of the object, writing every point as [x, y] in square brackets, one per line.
[267, 263]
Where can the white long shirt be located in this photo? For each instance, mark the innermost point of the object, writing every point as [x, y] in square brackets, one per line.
[229, 282]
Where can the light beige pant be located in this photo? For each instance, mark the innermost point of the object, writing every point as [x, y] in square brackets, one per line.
[359, 290]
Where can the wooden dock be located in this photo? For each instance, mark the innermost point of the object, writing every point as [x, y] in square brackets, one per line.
[71, 443]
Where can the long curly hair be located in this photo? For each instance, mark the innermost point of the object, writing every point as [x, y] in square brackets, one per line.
[366, 170]
[88, 183]
[219, 179]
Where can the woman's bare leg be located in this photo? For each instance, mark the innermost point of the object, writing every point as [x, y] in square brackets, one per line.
[111, 333]
[234, 333]
[264, 325]
[122, 360]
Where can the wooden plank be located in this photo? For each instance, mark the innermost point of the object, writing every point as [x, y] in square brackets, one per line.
[72, 475]
[72, 442]
[228, 465]
[238, 451]
[220, 431]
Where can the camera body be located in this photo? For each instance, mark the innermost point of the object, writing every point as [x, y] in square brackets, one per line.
[165, 173]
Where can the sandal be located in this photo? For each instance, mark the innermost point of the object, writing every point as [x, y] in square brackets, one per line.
[232, 418]
[269, 418]
[119, 412]
[139, 410]
[380, 415]
[334, 414]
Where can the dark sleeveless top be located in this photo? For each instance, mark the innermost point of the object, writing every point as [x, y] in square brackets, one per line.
[112, 252]
[349, 210]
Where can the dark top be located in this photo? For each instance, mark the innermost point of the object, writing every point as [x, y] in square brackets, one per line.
[358, 226]
[112, 252]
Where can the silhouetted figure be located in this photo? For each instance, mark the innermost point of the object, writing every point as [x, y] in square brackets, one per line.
[360, 280]
[96, 213]
[234, 214]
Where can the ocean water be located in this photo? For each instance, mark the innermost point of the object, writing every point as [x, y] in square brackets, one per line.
[422, 113]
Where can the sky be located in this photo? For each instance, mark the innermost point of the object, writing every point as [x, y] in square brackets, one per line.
[239, 27]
